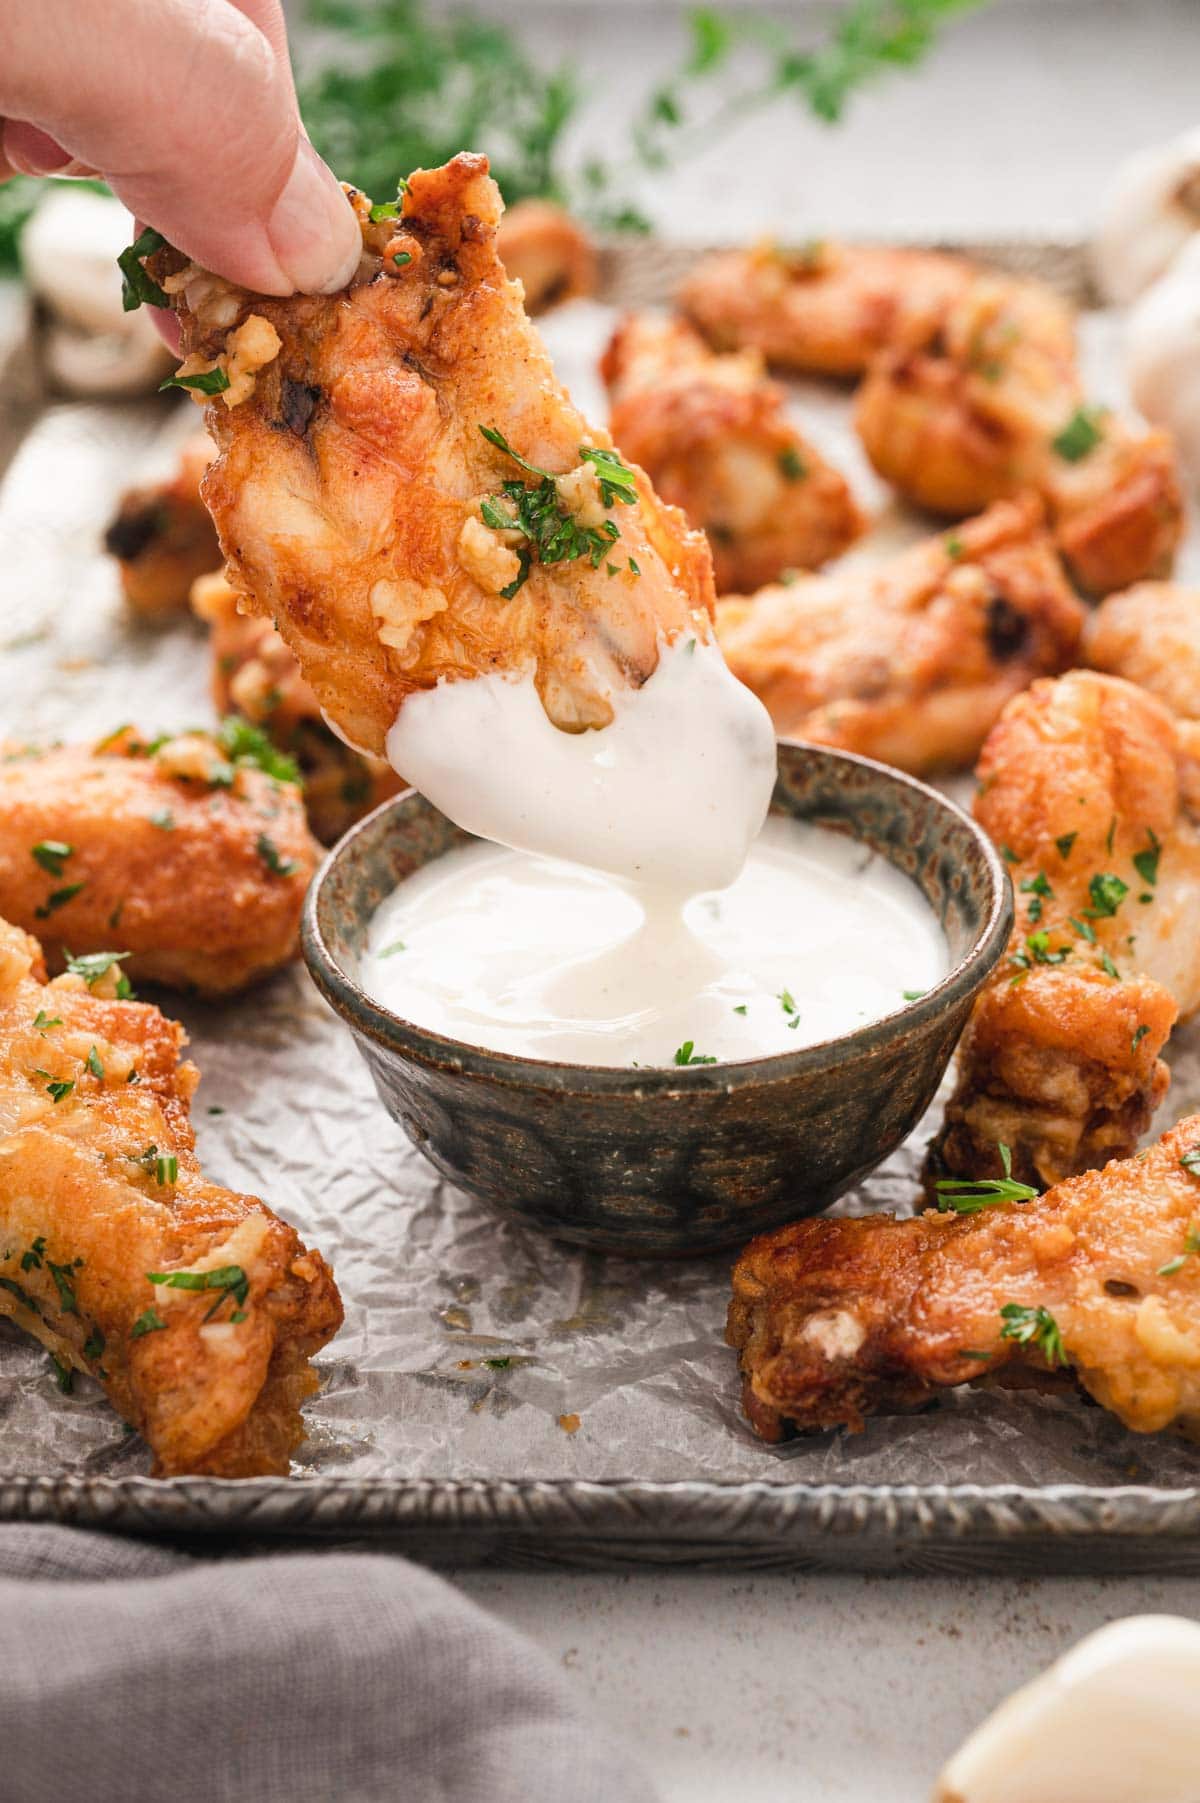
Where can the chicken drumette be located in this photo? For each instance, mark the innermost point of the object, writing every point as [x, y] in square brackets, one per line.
[1089, 788]
[712, 433]
[912, 660]
[834, 1319]
[1150, 634]
[162, 537]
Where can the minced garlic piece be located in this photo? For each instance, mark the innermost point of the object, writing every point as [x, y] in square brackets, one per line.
[255, 344]
[579, 492]
[191, 757]
[401, 606]
[486, 557]
[1158, 1334]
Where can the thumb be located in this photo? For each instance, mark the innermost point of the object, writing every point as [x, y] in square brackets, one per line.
[187, 108]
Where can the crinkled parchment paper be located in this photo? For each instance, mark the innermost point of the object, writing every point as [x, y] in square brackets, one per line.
[434, 1285]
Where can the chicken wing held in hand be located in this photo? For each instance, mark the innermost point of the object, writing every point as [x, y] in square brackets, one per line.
[912, 660]
[829, 308]
[190, 853]
[988, 403]
[1088, 787]
[712, 433]
[403, 486]
[835, 1319]
[195, 1307]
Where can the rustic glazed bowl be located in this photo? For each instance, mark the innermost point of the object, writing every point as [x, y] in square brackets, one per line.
[680, 1160]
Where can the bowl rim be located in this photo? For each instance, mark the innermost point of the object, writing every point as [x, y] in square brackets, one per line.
[404, 1038]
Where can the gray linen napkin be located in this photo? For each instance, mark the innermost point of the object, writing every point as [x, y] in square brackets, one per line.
[131, 1672]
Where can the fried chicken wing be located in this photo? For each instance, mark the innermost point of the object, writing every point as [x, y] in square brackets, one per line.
[548, 252]
[834, 1319]
[195, 1307]
[1150, 634]
[1088, 786]
[163, 538]
[828, 307]
[713, 435]
[362, 504]
[188, 853]
[255, 675]
[910, 661]
[989, 403]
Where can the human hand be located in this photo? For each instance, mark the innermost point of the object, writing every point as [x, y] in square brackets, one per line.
[187, 109]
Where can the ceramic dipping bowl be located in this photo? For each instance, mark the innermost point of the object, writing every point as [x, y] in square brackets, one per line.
[678, 1160]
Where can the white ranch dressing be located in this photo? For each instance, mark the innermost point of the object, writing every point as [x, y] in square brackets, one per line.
[671, 792]
[551, 960]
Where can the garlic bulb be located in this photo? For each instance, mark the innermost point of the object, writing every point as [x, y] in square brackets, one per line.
[69, 249]
[1162, 353]
[1152, 209]
[1113, 1721]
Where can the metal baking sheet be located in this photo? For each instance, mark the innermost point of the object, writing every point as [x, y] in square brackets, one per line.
[414, 1437]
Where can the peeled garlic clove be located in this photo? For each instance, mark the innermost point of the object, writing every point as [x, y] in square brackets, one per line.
[1162, 354]
[1115, 1720]
[1152, 209]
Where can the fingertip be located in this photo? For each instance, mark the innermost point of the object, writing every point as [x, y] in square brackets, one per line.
[313, 230]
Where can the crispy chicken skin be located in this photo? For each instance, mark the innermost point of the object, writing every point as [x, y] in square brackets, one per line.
[100, 1187]
[255, 675]
[835, 1319]
[988, 403]
[163, 538]
[194, 864]
[547, 250]
[910, 661]
[1088, 785]
[1150, 634]
[712, 433]
[828, 308]
[352, 476]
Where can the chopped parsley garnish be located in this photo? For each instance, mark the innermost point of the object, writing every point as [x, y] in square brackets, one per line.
[1032, 1326]
[635, 566]
[1138, 1037]
[268, 851]
[1108, 967]
[1107, 893]
[32, 1260]
[205, 381]
[1037, 951]
[1190, 1160]
[538, 514]
[21, 1295]
[1009, 855]
[953, 546]
[64, 1377]
[740, 1008]
[1146, 862]
[42, 1022]
[248, 748]
[51, 854]
[1039, 889]
[62, 1283]
[1064, 843]
[385, 209]
[791, 465]
[967, 1197]
[389, 951]
[1191, 1245]
[91, 966]
[1110, 835]
[164, 819]
[137, 286]
[913, 995]
[148, 1322]
[56, 1091]
[1080, 435]
[58, 899]
[498, 1364]
[94, 1065]
[1084, 929]
[787, 1002]
[616, 479]
[687, 1054]
[228, 1280]
[162, 1166]
[93, 1346]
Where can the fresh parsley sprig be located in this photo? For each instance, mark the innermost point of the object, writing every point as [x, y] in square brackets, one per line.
[968, 1196]
[1033, 1326]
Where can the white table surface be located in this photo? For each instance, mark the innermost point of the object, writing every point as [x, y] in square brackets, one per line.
[815, 1689]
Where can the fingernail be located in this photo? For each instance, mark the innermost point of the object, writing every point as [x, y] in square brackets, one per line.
[312, 229]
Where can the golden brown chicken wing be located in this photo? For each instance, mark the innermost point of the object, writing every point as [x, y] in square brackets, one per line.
[189, 853]
[1150, 634]
[163, 538]
[255, 675]
[826, 307]
[1088, 786]
[988, 403]
[195, 1307]
[834, 1319]
[912, 660]
[547, 250]
[379, 485]
[713, 435]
